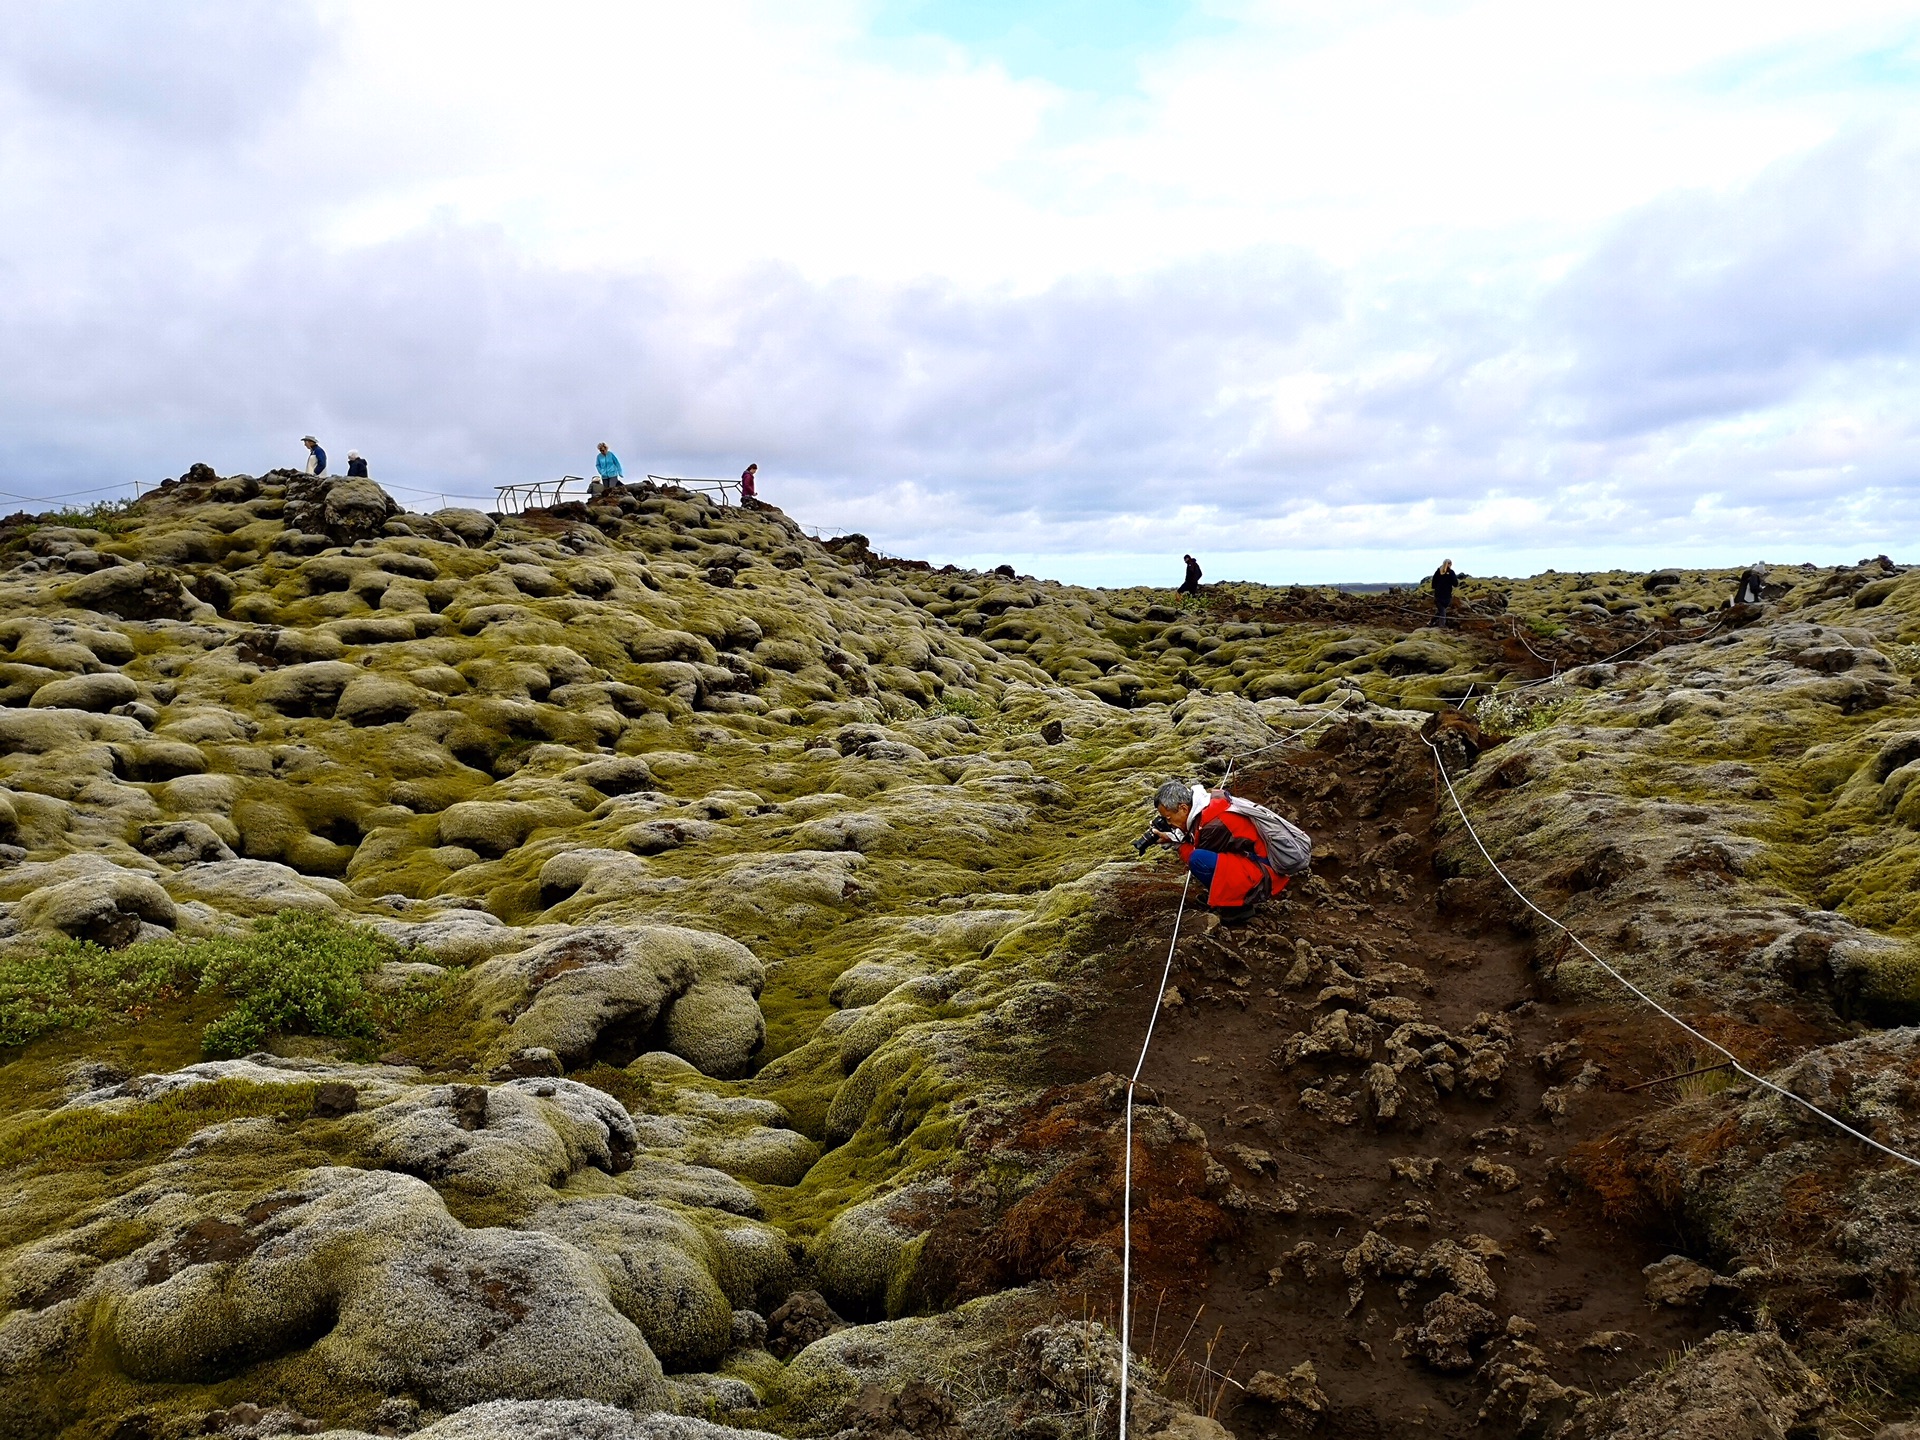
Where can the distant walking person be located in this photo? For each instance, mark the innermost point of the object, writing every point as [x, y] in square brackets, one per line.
[1191, 585]
[607, 465]
[316, 457]
[1443, 582]
[749, 484]
[1753, 585]
[356, 466]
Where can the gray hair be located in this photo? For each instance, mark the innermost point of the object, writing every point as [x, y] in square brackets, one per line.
[1174, 795]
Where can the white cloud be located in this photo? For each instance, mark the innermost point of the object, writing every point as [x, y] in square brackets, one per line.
[1365, 279]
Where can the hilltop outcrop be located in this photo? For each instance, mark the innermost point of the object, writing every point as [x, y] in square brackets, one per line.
[636, 970]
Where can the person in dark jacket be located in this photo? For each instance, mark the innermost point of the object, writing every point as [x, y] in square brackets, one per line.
[1752, 588]
[1191, 585]
[1443, 582]
[356, 466]
[750, 484]
[1223, 851]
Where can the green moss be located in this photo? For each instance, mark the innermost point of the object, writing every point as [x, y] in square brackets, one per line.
[1888, 987]
[95, 1136]
[293, 973]
[631, 1090]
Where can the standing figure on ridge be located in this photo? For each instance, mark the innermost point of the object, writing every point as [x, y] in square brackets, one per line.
[606, 465]
[1443, 582]
[1191, 585]
[356, 466]
[316, 457]
[749, 484]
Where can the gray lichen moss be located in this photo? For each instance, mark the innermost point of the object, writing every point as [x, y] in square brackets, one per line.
[899, 788]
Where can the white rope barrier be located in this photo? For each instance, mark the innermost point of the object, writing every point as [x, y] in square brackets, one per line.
[1294, 738]
[1166, 972]
[1646, 999]
[1133, 1081]
[1126, 1190]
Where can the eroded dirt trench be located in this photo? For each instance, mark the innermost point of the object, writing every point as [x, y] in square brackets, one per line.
[1392, 1093]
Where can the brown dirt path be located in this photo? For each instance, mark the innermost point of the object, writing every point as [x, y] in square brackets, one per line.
[1376, 934]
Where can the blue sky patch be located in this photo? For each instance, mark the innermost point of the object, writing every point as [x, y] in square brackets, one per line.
[1093, 46]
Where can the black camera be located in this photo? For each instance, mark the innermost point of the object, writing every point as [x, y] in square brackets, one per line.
[1160, 826]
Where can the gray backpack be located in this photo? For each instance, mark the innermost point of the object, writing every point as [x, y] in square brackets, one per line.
[1289, 848]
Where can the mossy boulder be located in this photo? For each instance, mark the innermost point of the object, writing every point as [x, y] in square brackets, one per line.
[395, 1289]
[110, 908]
[472, 526]
[256, 887]
[563, 1420]
[310, 689]
[660, 1273]
[619, 991]
[98, 693]
[510, 1139]
[495, 827]
[380, 700]
[865, 1256]
[133, 592]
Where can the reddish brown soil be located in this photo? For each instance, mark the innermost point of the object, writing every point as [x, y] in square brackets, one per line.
[1483, 622]
[1368, 798]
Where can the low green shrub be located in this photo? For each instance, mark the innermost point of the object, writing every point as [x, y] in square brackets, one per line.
[965, 704]
[72, 984]
[109, 517]
[296, 974]
[292, 974]
[1522, 711]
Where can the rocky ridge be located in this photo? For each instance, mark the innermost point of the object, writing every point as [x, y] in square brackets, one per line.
[722, 896]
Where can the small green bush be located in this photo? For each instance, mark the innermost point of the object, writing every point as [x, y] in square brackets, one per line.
[292, 974]
[71, 984]
[965, 704]
[1522, 711]
[109, 517]
[296, 974]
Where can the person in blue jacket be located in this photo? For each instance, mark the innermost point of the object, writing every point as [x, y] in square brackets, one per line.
[316, 457]
[608, 465]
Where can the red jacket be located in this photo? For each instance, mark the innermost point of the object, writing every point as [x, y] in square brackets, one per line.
[1241, 869]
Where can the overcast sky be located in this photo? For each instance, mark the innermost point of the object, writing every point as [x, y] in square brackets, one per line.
[1315, 290]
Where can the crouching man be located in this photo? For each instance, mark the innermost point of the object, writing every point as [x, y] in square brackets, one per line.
[1223, 848]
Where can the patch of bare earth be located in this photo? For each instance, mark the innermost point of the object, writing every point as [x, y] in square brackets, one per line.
[1388, 1098]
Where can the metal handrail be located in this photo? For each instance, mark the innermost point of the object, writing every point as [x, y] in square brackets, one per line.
[723, 488]
[534, 494]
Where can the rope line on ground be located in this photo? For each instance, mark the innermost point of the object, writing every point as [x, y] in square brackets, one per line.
[1133, 1081]
[1732, 1059]
[1126, 1189]
[1166, 972]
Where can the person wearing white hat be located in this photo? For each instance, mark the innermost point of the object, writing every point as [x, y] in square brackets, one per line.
[356, 467]
[316, 457]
